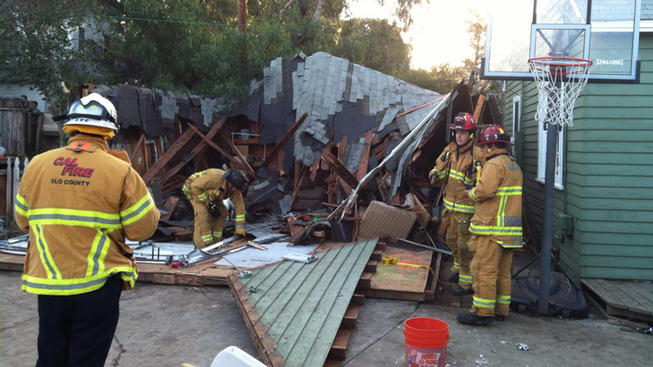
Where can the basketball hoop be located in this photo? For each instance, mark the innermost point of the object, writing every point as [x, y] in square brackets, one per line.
[559, 82]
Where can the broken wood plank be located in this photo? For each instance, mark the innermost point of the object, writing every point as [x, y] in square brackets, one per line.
[284, 140]
[256, 245]
[177, 146]
[200, 147]
[219, 149]
[479, 107]
[248, 169]
[170, 205]
[138, 147]
[417, 107]
[340, 170]
[365, 156]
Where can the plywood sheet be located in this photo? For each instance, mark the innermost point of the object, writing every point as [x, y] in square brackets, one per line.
[401, 281]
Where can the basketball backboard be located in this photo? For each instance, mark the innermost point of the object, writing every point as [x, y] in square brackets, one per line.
[604, 31]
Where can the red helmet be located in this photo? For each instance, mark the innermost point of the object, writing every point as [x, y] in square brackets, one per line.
[463, 121]
[494, 134]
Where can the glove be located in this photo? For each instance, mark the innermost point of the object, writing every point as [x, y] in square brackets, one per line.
[213, 209]
[241, 231]
[433, 176]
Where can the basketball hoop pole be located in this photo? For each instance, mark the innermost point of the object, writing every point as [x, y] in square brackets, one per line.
[547, 236]
[560, 80]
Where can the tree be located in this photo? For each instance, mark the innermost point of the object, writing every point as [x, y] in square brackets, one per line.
[36, 50]
[441, 78]
[374, 43]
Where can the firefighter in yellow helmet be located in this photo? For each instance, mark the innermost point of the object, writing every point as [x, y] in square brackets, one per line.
[458, 165]
[496, 228]
[79, 203]
[205, 190]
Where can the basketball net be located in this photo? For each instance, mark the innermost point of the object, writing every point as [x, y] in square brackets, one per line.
[559, 82]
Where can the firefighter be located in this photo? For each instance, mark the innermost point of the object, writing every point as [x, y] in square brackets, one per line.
[458, 165]
[205, 190]
[496, 229]
[79, 203]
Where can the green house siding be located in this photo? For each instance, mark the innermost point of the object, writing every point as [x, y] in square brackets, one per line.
[608, 175]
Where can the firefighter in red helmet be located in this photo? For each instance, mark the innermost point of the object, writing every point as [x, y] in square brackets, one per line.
[496, 229]
[457, 167]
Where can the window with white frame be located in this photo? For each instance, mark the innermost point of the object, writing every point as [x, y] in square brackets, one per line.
[541, 155]
[516, 116]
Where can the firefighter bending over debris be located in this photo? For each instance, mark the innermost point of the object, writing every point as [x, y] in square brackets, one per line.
[79, 203]
[205, 190]
[496, 228]
[457, 166]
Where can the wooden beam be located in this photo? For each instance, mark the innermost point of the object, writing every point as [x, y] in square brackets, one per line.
[411, 110]
[339, 169]
[365, 156]
[177, 146]
[138, 147]
[479, 107]
[198, 148]
[215, 146]
[248, 169]
[284, 140]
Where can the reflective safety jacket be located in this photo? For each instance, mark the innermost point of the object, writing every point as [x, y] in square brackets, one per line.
[461, 165]
[78, 204]
[210, 185]
[498, 197]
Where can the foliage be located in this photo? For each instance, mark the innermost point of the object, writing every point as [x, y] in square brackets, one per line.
[441, 78]
[35, 49]
[374, 43]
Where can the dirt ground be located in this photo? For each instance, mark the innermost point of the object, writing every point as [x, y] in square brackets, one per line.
[171, 325]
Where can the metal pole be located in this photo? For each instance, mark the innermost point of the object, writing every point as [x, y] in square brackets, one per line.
[547, 237]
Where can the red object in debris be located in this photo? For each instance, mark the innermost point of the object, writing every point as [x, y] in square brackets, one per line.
[426, 342]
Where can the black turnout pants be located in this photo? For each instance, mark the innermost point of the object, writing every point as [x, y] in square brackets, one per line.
[78, 330]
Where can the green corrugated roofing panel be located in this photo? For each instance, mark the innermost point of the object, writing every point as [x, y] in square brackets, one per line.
[293, 310]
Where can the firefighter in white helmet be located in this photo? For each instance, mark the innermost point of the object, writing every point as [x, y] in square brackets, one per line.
[79, 203]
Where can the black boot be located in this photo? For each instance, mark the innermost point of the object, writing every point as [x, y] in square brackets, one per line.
[460, 291]
[454, 277]
[469, 318]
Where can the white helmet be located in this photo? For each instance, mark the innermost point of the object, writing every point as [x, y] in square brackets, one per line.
[93, 110]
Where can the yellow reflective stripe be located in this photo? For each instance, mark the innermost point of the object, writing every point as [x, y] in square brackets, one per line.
[509, 190]
[462, 208]
[207, 237]
[509, 245]
[504, 299]
[36, 285]
[495, 230]
[186, 189]
[202, 197]
[91, 259]
[472, 194]
[217, 234]
[44, 253]
[456, 265]
[21, 206]
[137, 211]
[464, 279]
[468, 181]
[483, 302]
[501, 212]
[74, 217]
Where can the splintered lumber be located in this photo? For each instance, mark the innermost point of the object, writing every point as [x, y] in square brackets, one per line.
[138, 147]
[207, 140]
[170, 205]
[178, 145]
[200, 147]
[294, 311]
[284, 140]
[479, 107]
[248, 169]
[340, 170]
[365, 156]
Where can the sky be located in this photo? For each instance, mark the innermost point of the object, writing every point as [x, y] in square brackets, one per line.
[439, 31]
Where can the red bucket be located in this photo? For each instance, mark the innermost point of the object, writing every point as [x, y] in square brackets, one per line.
[426, 342]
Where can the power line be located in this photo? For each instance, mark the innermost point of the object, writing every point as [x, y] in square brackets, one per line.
[163, 20]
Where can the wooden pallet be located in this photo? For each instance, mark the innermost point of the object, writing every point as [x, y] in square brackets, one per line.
[401, 282]
[628, 299]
